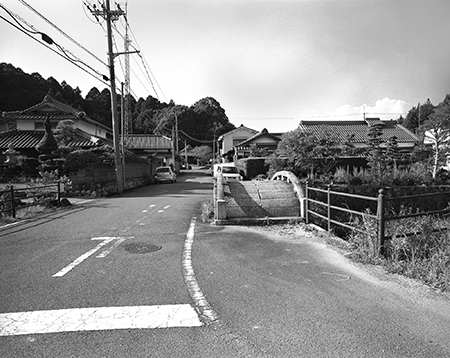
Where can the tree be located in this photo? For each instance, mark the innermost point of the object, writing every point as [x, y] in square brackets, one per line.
[437, 130]
[392, 154]
[417, 116]
[65, 132]
[296, 150]
[210, 119]
[202, 153]
[376, 158]
[257, 151]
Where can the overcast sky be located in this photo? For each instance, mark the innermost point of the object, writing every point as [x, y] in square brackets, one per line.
[269, 63]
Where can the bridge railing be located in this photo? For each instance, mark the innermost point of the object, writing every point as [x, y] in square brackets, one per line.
[298, 188]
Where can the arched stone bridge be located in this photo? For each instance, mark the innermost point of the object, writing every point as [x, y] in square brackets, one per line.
[278, 198]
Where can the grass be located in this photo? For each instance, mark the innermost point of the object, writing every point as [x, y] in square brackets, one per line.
[418, 248]
[26, 213]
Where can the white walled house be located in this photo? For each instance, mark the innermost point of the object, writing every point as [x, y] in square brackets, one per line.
[24, 129]
[229, 140]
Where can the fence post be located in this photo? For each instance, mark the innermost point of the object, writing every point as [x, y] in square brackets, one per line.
[306, 204]
[329, 208]
[381, 221]
[13, 204]
[59, 193]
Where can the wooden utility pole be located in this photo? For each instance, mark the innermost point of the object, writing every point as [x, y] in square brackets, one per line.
[110, 16]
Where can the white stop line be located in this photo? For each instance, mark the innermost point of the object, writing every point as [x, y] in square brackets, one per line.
[98, 318]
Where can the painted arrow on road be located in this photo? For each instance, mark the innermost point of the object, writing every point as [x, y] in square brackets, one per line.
[79, 260]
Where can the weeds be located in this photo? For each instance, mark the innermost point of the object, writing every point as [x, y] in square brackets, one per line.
[207, 210]
[418, 248]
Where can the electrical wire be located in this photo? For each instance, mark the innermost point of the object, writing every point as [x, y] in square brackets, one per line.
[46, 45]
[61, 31]
[195, 139]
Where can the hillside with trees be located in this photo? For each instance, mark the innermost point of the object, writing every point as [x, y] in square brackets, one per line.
[198, 124]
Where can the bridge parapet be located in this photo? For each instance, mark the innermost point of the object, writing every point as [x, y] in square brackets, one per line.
[292, 178]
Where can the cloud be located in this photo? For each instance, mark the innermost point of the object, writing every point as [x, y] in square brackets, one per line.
[384, 109]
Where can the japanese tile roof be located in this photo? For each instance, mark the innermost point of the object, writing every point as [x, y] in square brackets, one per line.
[235, 130]
[29, 139]
[148, 141]
[342, 130]
[263, 133]
[54, 109]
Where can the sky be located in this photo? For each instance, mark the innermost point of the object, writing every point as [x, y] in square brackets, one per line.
[269, 63]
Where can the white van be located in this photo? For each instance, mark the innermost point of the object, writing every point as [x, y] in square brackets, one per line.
[228, 171]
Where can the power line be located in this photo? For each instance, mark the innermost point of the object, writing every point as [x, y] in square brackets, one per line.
[48, 41]
[61, 31]
[195, 139]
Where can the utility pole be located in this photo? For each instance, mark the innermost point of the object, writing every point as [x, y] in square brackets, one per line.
[176, 141]
[113, 16]
[173, 148]
[185, 155]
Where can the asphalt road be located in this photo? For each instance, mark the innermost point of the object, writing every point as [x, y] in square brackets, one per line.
[240, 292]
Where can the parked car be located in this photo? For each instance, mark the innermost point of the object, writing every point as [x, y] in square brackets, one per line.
[163, 174]
[228, 170]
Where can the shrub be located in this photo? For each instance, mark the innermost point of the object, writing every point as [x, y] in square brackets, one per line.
[251, 167]
[30, 166]
[80, 159]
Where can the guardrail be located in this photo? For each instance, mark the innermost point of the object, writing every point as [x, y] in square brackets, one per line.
[13, 198]
[380, 215]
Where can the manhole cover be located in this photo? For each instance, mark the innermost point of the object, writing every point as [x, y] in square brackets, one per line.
[141, 248]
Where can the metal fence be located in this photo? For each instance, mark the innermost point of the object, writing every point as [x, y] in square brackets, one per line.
[14, 198]
[379, 203]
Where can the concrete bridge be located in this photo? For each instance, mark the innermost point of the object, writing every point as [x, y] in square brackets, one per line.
[280, 198]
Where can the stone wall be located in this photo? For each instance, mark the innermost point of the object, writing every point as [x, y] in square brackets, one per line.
[101, 180]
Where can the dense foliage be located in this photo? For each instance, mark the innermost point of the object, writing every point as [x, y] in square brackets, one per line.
[197, 124]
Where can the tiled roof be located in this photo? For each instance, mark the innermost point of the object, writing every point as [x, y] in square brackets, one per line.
[148, 141]
[29, 139]
[235, 130]
[263, 133]
[57, 111]
[342, 130]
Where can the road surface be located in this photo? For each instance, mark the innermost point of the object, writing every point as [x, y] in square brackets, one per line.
[142, 276]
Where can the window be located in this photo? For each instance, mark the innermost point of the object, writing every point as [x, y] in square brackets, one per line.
[39, 126]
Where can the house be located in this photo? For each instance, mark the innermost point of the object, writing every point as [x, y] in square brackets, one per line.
[33, 118]
[227, 141]
[261, 140]
[24, 129]
[151, 145]
[356, 132]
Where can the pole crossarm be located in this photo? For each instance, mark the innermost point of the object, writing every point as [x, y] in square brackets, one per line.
[123, 53]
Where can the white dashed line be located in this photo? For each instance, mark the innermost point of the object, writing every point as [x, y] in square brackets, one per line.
[98, 318]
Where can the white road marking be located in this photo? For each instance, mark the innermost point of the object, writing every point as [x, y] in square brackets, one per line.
[144, 211]
[193, 287]
[12, 224]
[98, 318]
[160, 211]
[83, 257]
[113, 246]
[167, 207]
[152, 206]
